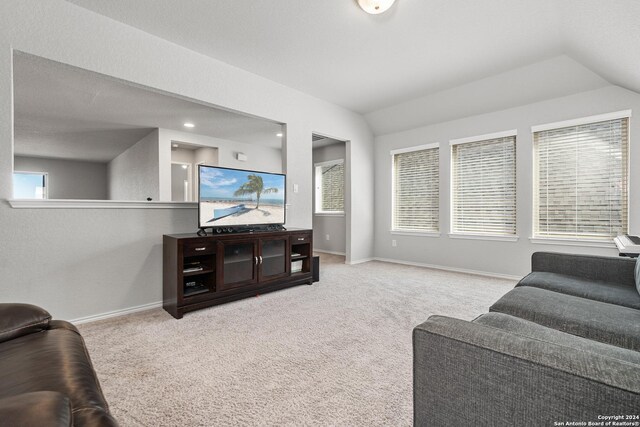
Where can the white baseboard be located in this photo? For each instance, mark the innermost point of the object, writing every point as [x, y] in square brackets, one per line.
[322, 251]
[360, 261]
[453, 269]
[116, 313]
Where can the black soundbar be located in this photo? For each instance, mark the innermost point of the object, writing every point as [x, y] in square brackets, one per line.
[242, 229]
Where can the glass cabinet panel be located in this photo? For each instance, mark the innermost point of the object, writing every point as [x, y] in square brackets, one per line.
[273, 261]
[239, 262]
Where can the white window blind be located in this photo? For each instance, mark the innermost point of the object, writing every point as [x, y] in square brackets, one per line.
[581, 181]
[484, 187]
[416, 190]
[330, 187]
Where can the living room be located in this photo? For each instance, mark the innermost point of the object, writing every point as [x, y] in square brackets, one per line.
[421, 76]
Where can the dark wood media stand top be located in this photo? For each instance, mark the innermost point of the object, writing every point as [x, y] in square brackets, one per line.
[201, 271]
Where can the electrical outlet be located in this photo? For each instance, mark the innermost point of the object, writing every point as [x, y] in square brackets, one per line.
[327, 237]
[295, 188]
[394, 243]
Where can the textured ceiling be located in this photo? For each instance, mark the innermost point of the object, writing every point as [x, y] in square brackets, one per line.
[333, 50]
[65, 112]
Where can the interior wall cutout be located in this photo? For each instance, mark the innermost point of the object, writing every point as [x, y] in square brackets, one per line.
[68, 114]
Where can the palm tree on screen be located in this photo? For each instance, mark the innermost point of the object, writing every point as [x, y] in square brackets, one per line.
[254, 185]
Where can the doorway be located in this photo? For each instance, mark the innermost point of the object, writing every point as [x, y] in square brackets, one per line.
[330, 195]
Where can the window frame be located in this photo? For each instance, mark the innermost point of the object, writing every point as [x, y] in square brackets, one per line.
[482, 236]
[404, 231]
[576, 241]
[317, 167]
[45, 179]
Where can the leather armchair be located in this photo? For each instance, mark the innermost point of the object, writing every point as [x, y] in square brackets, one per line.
[46, 376]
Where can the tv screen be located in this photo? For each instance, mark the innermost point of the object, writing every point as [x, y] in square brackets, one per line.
[237, 197]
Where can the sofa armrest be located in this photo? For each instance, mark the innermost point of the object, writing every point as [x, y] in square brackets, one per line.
[606, 269]
[466, 373]
[17, 320]
[40, 408]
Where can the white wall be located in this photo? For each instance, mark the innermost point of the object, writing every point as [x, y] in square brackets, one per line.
[133, 175]
[93, 261]
[332, 225]
[492, 256]
[68, 179]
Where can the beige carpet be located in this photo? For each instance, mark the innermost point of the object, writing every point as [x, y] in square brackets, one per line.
[337, 353]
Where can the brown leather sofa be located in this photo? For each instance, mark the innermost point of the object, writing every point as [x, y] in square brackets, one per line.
[46, 376]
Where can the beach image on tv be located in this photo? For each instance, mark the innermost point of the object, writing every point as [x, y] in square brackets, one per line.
[238, 197]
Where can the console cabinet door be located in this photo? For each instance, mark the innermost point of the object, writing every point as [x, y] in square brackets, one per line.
[273, 258]
[238, 265]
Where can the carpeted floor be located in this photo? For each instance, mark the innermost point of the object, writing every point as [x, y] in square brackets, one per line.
[337, 353]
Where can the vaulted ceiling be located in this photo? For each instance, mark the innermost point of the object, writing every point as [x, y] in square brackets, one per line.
[332, 50]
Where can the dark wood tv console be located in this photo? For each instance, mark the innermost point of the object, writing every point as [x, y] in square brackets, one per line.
[199, 272]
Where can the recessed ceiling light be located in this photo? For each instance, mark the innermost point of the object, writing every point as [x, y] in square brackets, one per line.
[184, 166]
[279, 135]
[189, 125]
[174, 145]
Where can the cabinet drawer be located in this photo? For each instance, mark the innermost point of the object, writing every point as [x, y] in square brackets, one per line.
[199, 248]
[300, 238]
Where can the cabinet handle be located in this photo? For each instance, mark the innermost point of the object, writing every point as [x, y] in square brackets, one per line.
[300, 238]
[260, 259]
[201, 249]
[255, 258]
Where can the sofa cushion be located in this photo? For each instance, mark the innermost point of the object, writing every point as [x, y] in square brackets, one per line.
[53, 360]
[637, 275]
[610, 292]
[21, 319]
[599, 321]
[527, 329]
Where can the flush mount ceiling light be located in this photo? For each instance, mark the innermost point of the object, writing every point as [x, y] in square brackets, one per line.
[279, 135]
[189, 125]
[375, 7]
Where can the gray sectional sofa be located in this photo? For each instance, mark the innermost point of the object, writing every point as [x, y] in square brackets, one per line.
[562, 346]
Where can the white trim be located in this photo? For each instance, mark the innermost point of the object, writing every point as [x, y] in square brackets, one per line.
[97, 204]
[330, 162]
[414, 233]
[485, 137]
[360, 261]
[329, 213]
[117, 313]
[573, 242]
[499, 238]
[452, 269]
[582, 121]
[190, 173]
[322, 251]
[415, 148]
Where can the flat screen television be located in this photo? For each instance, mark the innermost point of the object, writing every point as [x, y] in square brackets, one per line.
[240, 198]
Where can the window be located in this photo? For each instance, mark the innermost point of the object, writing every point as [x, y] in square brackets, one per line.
[30, 185]
[330, 187]
[483, 186]
[416, 189]
[581, 178]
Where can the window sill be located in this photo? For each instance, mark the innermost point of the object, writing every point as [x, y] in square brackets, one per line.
[97, 204]
[573, 242]
[329, 214]
[497, 238]
[414, 233]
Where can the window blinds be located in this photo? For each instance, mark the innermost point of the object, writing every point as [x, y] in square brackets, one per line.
[416, 190]
[332, 176]
[484, 187]
[581, 181]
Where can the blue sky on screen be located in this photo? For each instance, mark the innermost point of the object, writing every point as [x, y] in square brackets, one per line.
[25, 185]
[222, 183]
